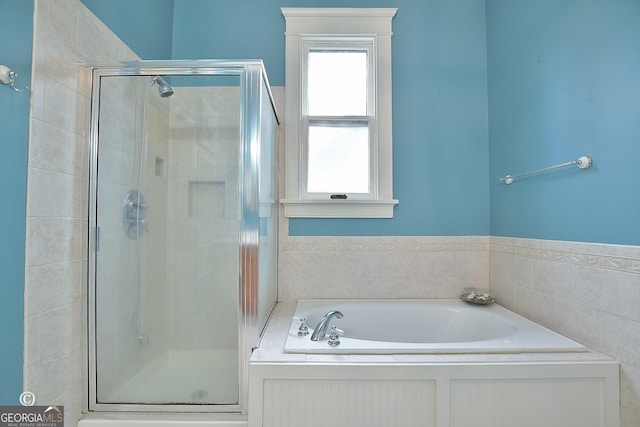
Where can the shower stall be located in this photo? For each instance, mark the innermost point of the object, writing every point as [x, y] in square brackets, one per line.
[182, 233]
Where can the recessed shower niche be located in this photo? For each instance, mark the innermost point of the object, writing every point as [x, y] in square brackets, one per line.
[183, 155]
[208, 199]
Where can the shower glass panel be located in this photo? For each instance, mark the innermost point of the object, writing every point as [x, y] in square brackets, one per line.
[183, 233]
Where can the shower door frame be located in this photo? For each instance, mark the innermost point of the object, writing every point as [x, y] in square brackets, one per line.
[252, 79]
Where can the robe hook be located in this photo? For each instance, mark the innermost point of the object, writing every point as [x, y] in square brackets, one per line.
[8, 77]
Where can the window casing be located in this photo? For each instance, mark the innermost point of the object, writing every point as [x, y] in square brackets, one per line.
[338, 106]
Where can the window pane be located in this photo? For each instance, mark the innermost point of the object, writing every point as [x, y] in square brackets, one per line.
[337, 83]
[338, 158]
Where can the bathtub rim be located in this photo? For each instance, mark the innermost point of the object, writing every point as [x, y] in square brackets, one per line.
[271, 350]
[381, 347]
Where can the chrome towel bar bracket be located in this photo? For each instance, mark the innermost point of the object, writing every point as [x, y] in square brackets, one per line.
[583, 162]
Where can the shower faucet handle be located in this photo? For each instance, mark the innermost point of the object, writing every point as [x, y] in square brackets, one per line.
[132, 204]
[134, 214]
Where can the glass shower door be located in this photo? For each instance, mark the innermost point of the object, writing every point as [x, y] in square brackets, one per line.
[168, 241]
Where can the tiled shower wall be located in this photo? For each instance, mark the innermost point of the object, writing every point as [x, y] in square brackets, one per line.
[66, 35]
[203, 218]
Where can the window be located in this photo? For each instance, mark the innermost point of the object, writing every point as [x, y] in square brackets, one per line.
[338, 113]
[337, 118]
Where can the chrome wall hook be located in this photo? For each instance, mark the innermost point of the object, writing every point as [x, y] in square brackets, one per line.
[8, 77]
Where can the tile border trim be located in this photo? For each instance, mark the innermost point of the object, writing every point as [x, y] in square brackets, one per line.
[611, 257]
[385, 244]
[609, 262]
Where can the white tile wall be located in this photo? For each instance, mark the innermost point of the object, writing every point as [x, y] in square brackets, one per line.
[588, 292]
[381, 267]
[66, 35]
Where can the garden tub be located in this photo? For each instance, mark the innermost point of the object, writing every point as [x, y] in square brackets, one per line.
[421, 326]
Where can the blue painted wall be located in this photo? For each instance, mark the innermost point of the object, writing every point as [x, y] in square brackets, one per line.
[145, 25]
[440, 132]
[559, 79]
[564, 81]
[16, 35]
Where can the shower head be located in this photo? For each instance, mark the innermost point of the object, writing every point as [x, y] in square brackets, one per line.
[163, 87]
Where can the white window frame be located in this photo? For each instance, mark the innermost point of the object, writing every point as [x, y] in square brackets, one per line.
[308, 28]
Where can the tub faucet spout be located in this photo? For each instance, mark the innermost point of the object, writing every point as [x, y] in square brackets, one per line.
[321, 328]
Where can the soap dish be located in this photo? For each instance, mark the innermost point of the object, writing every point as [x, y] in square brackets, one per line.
[477, 296]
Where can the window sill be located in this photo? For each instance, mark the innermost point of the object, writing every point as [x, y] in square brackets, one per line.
[338, 208]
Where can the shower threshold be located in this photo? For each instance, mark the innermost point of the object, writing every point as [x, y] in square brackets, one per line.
[108, 419]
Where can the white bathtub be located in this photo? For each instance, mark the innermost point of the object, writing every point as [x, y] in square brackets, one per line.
[423, 326]
[495, 379]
